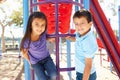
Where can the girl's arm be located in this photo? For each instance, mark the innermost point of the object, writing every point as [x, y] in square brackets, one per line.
[88, 66]
[25, 55]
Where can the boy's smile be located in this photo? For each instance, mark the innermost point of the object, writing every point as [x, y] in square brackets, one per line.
[82, 26]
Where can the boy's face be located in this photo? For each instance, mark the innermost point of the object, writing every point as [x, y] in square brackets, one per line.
[82, 26]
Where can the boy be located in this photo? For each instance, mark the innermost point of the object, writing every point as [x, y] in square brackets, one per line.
[85, 46]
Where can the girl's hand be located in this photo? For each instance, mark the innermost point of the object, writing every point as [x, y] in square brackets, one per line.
[25, 55]
[30, 65]
[25, 51]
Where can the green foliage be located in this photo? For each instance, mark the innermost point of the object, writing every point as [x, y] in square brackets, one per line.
[17, 17]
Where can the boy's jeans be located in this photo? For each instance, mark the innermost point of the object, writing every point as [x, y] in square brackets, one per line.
[80, 75]
[45, 68]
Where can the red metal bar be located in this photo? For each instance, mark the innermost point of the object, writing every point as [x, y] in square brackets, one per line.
[106, 34]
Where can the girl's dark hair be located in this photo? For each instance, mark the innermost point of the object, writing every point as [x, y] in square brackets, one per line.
[83, 13]
[28, 31]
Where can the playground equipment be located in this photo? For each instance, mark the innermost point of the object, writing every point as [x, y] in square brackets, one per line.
[106, 34]
[57, 29]
[0, 50]
[119, 23]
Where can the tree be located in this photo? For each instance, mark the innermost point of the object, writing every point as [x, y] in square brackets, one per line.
[8, 20]
[3, 23]
[2, 1]
[17, 17]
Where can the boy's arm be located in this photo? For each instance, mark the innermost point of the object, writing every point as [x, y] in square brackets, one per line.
[68, 38]
[71, 38]
[50, 39]
[88, 66]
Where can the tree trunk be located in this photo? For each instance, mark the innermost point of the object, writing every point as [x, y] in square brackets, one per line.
[3, 40]
[13, 41]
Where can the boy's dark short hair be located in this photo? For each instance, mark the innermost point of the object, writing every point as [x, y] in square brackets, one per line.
[83, 13]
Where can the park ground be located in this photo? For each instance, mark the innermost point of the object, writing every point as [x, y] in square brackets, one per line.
[12, 68]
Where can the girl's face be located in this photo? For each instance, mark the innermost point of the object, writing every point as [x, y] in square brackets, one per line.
[82, 26]
[38, 26]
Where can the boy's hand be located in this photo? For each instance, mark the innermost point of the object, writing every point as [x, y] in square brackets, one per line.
[87, 69]
[51, 39]
[68, 38]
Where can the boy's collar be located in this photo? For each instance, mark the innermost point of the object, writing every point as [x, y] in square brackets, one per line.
[89, 32]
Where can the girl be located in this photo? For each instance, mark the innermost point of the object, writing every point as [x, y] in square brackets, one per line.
[33, 47]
